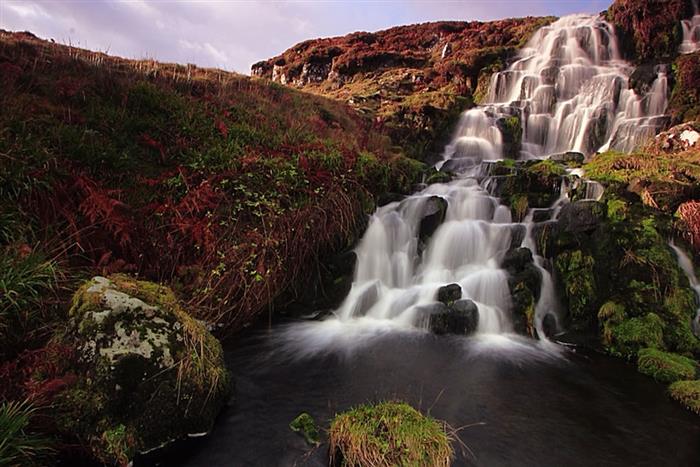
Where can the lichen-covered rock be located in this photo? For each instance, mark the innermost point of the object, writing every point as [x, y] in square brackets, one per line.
[148, 373]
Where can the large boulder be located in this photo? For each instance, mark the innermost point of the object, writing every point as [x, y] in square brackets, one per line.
[147, 372]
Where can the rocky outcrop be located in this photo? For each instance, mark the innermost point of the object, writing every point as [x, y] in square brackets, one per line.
[147, 373]
[414, 80]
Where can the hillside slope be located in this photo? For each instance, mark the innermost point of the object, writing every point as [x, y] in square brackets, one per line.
[223, 186]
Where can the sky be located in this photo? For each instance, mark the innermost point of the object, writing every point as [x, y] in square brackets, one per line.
[234, 34]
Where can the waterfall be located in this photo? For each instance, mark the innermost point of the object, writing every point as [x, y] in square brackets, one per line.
[691, 32]
[569, 90]
[687, 266]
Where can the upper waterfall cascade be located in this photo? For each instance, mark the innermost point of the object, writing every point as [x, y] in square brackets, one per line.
[691, 32]
[569, 88]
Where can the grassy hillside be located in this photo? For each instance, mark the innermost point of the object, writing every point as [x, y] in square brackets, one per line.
[223, 186]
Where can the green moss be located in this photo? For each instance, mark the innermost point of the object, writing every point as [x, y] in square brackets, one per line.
[687, 393]
[610, 315]
[576, 271]
[437, 176]
[633, 334]
[547, 169]
[665, 367]
[519, 206]
[617, 210]
[304, 425]
[388, 434]
[511, 133]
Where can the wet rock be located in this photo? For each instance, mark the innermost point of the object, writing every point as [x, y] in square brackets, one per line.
[569, 158]
[549, 325]
[462, 317]
[642, 78]
[387, 198]
[146, 372]
[450, 293]
[433, 215]
[516, 259]
[581, 216]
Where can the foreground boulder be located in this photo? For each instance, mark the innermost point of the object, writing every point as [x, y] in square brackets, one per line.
[388, 434]
[147, 372]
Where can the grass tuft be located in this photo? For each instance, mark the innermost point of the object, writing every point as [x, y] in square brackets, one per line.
[388, 434]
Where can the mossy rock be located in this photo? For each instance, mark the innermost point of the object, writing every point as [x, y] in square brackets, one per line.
[388, 434]
[147, 372]
[665, 367]
[630, 335]
[305, 425]
[687, 393]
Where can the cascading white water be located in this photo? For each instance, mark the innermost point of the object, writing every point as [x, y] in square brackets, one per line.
[569, 89]
[687, 266]
[394, 281]
[691, 32]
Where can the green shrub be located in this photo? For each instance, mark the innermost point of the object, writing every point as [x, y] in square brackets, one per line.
[388, 434]
[665, 367]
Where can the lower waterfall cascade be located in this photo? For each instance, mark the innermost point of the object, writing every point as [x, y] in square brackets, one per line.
[569, 91]
[687, 266]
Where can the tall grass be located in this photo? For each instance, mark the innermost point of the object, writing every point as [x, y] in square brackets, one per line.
[27, 280]
[18, 445]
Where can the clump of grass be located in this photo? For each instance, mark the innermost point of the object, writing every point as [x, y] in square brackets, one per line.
[18, 445]
[388, 434]
[26, 280]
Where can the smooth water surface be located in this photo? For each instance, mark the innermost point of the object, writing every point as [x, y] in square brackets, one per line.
[518, 404]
